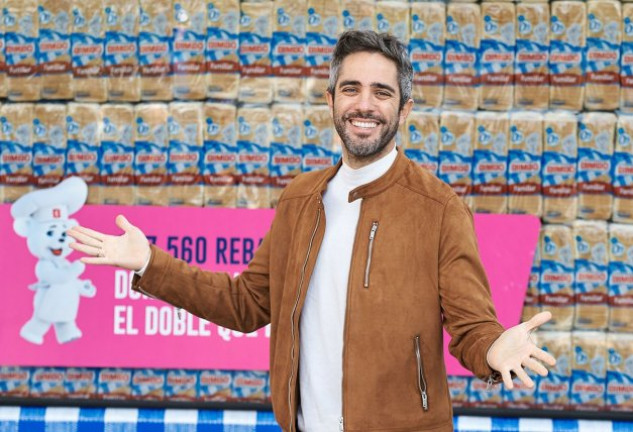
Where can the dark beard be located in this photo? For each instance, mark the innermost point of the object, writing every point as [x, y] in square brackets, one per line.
[369, 148]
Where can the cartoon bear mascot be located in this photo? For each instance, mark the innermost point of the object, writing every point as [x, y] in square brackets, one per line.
[42, 217]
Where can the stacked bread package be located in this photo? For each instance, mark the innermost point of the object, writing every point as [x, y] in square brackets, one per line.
[21, 39]
[16, 131]
[3, 61]
[288, 50]
[524, 163]
[589, 370]
[457, 140]
[154, 56]
[490, 158]
[619, 396]
[566, 58]
[497, 56]
[604, 36]
[121, 59]
[595, 151]
[426, 51]
[220, 154]
[358, 14]
[253, 150]
[256, 29]
[393, 17]
[462, 46]
[557, 276]
[623, 171]
[188, 50]
[223, 62]
[49, 144]
[54, 49]
[185, 150]
[317, 150]
[560, 153]
[88, 43]
[626, 59]
[591, 259]
[531, 68]
[324, 21]
[84, 142]
[285, 147]
[117, 154]
[151, 144]
[553, 390]
[620, 278]
[422, 139]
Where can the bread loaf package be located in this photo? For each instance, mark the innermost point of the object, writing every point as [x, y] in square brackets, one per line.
[589, 370]
[626, 59]
[220, 154]
[49, 144]
[188, 56]
[524, 163]
[619, 396]
[88, 46]
[566, 57]
[317, 151]
[620, 278]
[16, 139]
[393, 17]
[21, 25]
[496, 61]
[422, 139]
[460, 63]
[288, 50]
[557, 276]
[457, 140]
[121, 46]
[560, 154]
[54, 49]
[490, 160]
[531, 67]
[358, 14]
[253, 154]
[553, 390]
[223, 62]
[604, 36]
[151, 142]
[596, 131]
[117, 154]
[324, 22]
[622, 170]
[591, 260]
[426, 52]
[256, 29]
[3, 61]
[84, 142]
[154, 49]
[285, 147]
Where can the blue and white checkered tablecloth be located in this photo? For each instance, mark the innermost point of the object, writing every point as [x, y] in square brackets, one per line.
[73, 419]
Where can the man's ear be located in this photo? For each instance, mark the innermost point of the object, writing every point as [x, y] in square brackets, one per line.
[404, 112]
[329, 97]
[21, 226]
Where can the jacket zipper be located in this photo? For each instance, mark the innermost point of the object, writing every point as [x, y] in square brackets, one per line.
[421, 379]
[370, 248]
[292, 317]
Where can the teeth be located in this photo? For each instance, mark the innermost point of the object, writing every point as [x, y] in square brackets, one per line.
[364, 124]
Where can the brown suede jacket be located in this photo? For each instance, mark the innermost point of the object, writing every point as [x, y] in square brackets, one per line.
[415, 267]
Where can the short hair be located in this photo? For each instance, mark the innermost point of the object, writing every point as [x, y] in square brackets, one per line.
[354, 41]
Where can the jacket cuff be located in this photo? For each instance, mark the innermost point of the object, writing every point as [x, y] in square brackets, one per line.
[153, 273]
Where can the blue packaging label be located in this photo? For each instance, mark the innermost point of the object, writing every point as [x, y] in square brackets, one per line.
[181, 384]
[148, 384]
[222, 47]
[115, 383]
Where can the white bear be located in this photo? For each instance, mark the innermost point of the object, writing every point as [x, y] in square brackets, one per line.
[41, 217]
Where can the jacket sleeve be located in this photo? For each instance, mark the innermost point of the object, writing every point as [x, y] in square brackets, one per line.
[240, 303]
[468, 312]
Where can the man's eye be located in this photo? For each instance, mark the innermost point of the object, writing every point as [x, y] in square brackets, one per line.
[383, 94]
[349, 90]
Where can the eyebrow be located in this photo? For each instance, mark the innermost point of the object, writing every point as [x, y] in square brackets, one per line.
[374, 85]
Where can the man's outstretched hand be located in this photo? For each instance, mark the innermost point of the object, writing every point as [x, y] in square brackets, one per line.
[514, 350]
[129, 250]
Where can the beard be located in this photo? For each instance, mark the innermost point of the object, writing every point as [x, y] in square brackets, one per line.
[365, 148]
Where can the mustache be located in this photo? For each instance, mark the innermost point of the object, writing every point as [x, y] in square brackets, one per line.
[363, 115]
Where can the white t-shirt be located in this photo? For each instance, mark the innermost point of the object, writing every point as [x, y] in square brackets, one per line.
[323, 316]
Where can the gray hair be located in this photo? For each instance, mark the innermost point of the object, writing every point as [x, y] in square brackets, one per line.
[354, 41]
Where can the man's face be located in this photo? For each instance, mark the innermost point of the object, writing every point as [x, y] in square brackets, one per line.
[365, 107]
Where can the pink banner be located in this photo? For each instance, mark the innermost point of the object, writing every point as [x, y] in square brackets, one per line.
[120, 328]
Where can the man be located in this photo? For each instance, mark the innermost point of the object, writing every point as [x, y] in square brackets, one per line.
[362, 266]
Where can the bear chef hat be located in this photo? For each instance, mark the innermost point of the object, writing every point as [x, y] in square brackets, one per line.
[55, 203]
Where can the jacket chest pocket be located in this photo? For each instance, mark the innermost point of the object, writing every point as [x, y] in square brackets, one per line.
[421, 378]
[370, 250]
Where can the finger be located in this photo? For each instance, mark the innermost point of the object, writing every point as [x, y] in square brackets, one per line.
[538, 320]
[544, 356]
[507, 379]
[524, 377]
[87, 231]
[83, 238]
[88, 250]
[535, 366]
[123, 223]
[95, 260]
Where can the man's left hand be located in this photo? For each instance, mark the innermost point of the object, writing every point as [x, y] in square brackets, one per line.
[514, 350]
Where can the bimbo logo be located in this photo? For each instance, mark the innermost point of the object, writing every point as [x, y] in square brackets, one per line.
[581, 245]
[314, 18]
[283, 19]
[556, 26]
[525, 26]
[490, 26]
[142, 128]
[516, 136]
[550, 247]
[581, 356]
[594, 23]
[181, 14]
[614, 357]
[310, 131]
[418, 26]
[78, 18]
[484, 136]
[415, 136]
[213, 14]
[383, 24]
[9, 18]
[451, 26]
[111, 16]
[552, 137]
[212, 128]
[44, 15]
[348, 20]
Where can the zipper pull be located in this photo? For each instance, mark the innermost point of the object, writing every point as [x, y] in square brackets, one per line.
[425, 401]
[374, 228]
[340, 425]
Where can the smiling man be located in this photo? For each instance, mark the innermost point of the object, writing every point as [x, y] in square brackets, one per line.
[364, 263]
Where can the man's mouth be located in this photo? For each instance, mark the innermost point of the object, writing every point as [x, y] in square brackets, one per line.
[364, 124]
[56, 252]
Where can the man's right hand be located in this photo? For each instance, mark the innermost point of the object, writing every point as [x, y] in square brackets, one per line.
[130, 250]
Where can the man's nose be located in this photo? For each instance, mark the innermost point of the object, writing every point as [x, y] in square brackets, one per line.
[366, 101]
